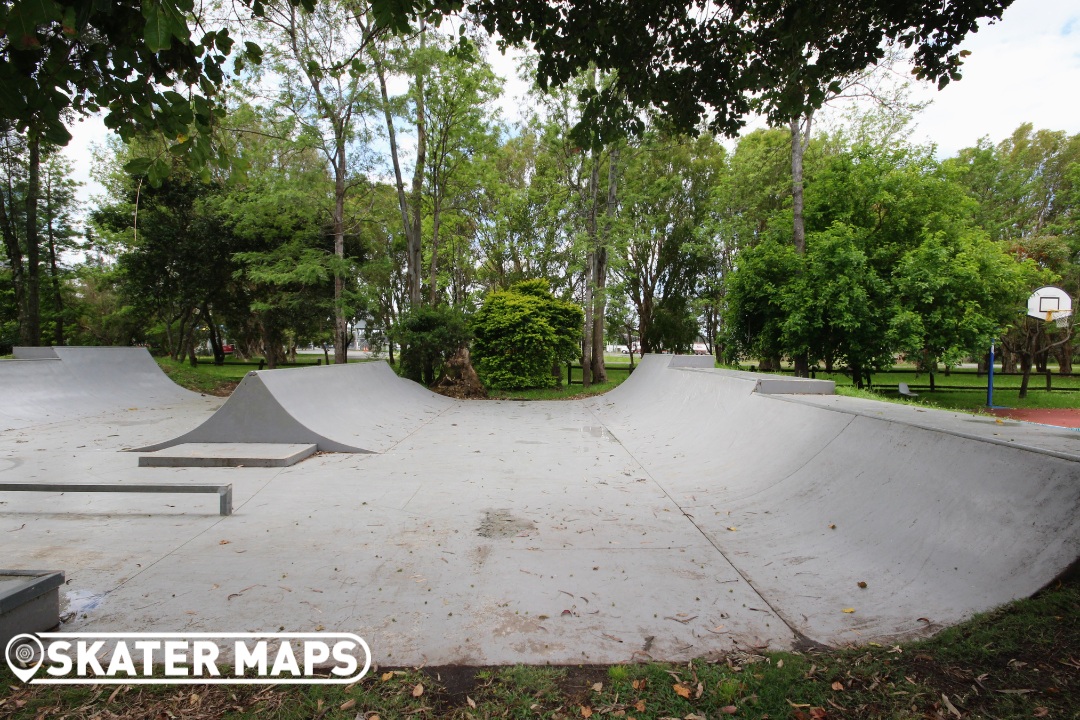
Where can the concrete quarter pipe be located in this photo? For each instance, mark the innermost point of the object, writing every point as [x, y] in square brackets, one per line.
[46, 384]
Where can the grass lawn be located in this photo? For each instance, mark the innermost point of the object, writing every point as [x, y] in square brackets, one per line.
[1020, 661]
[221, 379]
[618, 369]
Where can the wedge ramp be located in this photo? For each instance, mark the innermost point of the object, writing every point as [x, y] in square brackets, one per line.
[353, 408]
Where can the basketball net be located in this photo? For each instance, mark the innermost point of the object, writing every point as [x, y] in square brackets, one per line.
[1059, 317]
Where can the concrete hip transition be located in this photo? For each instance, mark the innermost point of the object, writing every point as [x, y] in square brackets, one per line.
[687, 513]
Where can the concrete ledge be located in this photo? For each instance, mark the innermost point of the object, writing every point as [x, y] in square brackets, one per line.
[228, 455]
[34, 353]
[224, 492]
[29, 602]
[794, 386]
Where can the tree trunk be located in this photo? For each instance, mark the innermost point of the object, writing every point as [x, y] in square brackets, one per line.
[1008, 361]
[586, 331]
[177, 351]
[412, 233]
[800, 139]
[268, 350]
[33, 264]
[600, 300]
[415, 250]
[1042, 359]
[1025, 365]
[1064, 357]
[433, 275]
[190, 343]
[54, 273]
[168, 337]
[215, 338]
[802, 365]
[341, 328]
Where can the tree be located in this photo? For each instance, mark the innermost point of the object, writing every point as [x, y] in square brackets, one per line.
[279, 217]
[318, 58]
[523, 334]
[61, 234]
[460, 91]
[409, 205]
[704, 64]
[957, 291]
[1026, 188]
[429, 336]
[128, 58]
[667, 199]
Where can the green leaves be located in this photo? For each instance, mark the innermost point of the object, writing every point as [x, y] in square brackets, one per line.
[25, 18]
[521, 333]
[164, 22]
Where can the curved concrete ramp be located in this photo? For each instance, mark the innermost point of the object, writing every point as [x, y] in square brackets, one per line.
[359, 407]
[807, 502]
[44, 385]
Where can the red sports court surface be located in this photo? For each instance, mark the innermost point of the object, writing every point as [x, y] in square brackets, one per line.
[1062, 417]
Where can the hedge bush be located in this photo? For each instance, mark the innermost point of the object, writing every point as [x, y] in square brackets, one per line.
[522, 334]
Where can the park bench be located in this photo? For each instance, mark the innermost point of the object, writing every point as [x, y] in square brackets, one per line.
[224, 492]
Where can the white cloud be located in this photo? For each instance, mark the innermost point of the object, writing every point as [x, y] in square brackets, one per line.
[1025, 68]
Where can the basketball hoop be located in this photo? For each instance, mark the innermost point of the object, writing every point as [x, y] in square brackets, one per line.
[1051, 304]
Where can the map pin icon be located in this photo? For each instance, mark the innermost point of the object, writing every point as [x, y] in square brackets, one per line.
[21, 652]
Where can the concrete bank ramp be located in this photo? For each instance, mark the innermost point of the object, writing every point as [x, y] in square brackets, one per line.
[358, 407]
[44, 384]
[807, 502]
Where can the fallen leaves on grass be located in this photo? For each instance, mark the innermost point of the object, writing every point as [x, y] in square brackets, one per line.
[681, 690]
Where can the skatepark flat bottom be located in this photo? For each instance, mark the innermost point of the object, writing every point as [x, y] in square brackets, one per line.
[681, 515]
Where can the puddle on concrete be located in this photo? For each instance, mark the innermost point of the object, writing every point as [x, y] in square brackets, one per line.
[503, 524]
[79, 602]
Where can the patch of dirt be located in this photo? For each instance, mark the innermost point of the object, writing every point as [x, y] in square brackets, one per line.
[454, 683]
[503, 524]
[224, 389]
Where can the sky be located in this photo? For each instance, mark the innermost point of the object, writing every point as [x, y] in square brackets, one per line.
[1025, 68]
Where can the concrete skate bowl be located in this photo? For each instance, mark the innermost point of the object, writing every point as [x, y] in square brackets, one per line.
[357, 407]
[45, 385]
[809, 502]
[806, 503]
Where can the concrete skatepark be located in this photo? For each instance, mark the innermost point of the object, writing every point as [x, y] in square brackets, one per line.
[687, 513]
